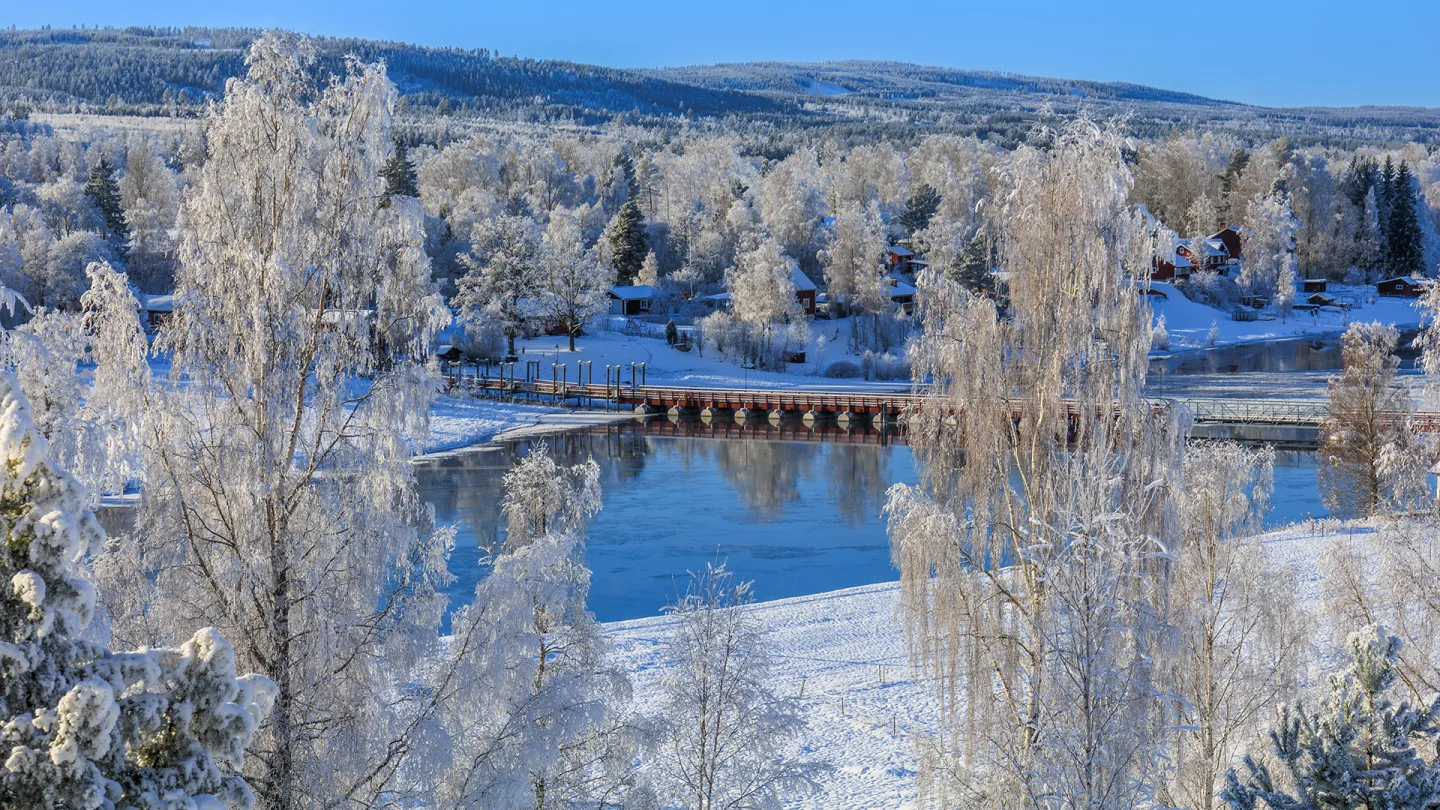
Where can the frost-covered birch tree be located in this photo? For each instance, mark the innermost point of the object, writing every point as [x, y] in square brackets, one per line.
[729, 739]
[278, 501]
[502, 273]
[536, 716]
[854, 257]
[572, 280]
[1238, 634]
[1029, 576]
[84, 727]
[1366, 418]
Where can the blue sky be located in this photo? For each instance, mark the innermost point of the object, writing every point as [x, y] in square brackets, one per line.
[1275, 53]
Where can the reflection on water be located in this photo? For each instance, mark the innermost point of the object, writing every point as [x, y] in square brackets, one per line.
[1300, 354]
[798, 517]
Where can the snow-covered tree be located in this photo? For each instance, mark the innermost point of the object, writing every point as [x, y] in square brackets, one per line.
[854, 258]
[649, 271]
[730, 738]
[1270, 248]
[572, 280]
[1367, 414]
[1358, 750]
[502, 272]
[1238, 633]
[536, 716]
[278, 500]
[763, 303]
[83, 727]
[1027, 573]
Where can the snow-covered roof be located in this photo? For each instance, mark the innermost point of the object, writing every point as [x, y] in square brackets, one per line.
[725, 296]
[1407, 279]
[638, 292]
[900, 250]
[900, 289]
[802, 281]
[157, 303]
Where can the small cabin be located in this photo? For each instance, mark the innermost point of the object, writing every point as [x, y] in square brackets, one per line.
[899, 258]
[804, 290]
[1320, 299]
[1402, 287]
[631, 300]
[1314, 285]
[157, 310]
[902, 295]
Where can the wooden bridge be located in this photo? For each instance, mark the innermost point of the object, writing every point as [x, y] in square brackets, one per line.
[881, 407]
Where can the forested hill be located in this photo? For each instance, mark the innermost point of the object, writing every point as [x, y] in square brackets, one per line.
[151, 71]
[148, 70]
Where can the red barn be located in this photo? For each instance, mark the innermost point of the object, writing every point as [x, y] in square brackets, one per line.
[1403, 287]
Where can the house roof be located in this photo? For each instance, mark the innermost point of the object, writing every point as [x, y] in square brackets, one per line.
[1407, 279]
[638, 292]
[157, 303]
[802, 281]
[900, 290]
[900, 250]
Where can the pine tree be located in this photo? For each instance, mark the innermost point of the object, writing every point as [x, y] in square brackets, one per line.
[1357, 751]
[104, 192]
[83, 727]
[627, 241]
[1404, 249]
[399, 173]
[919, 209]
[974, 270]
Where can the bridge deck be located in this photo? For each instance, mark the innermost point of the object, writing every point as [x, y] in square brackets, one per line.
[1274, 412]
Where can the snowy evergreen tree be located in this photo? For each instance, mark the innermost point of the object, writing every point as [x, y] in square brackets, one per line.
[104, 193]
[919, 209]
[649, 271]
[399, 173]
[626, 237]
[1404, 242]
[730, 738]
[1357, 751]
[82, 727]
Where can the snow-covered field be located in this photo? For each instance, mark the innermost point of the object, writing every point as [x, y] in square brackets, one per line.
[1189, 322]
[863, 700]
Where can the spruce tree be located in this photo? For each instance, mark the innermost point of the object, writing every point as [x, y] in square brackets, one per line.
[919, 209]
[1404, 251]
[974, 268]
[399, 173]
[1357, 751]
[627, 241]
[104, 192]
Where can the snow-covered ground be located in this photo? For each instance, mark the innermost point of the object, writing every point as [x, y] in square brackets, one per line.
[667, 366]
[863, 700]
[1189, 322]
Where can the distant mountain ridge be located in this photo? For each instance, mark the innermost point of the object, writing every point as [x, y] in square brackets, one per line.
[150, 71]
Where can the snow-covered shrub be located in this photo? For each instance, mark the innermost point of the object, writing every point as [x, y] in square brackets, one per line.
[1160, 336]
[84, 727]
[842, 370]
[879, 331]
[481, 339]
[876, 366]
[1213, 336]
[1212, 290]
[767, 346]
[730, 738]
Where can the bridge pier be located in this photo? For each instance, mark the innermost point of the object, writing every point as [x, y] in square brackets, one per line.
[646, 410]
[847, 420]
[713, 412]
[775, 416]
[744, 414]
[814, 417]
[679, 411]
